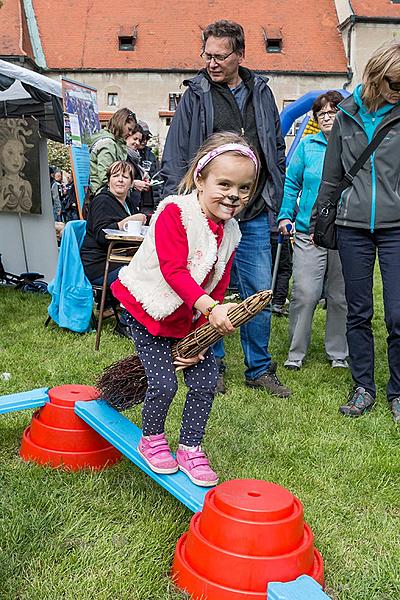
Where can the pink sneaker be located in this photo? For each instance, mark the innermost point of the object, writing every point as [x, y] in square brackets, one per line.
[155, 452]
[194, 463]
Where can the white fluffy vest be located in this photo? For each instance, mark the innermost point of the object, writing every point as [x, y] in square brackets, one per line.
[143, 277]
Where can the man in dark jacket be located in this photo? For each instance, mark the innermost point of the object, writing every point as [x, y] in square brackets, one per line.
[227, 97]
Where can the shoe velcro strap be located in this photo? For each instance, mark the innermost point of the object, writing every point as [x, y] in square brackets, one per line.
[159, 450]
[198, 459]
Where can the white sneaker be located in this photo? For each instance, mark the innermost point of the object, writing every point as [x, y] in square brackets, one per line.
[340, 363]
[294, 365]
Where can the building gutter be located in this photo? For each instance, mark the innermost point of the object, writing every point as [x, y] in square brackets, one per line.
[34, 34]
[369, 20]
[192, 71]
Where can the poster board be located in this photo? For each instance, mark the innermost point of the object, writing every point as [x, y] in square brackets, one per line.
[81, 121]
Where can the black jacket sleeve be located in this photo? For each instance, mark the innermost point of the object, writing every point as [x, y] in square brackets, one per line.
[103, 217]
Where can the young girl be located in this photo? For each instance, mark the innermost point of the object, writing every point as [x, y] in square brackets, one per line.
[178, 279]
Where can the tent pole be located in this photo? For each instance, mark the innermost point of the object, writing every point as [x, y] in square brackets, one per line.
[23, 241]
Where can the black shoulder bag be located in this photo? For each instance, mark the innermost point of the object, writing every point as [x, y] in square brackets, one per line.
[325, 229]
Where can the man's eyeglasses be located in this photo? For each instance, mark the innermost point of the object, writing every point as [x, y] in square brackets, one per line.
[218, 58]
[394, 85]
[330, 114]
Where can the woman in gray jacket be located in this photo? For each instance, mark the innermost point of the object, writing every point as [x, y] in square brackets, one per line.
[368, 220]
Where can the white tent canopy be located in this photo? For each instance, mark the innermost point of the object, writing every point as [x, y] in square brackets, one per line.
[24, 92]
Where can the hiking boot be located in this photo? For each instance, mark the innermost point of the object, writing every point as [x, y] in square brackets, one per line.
[279, 310]
[395, 408]
[293, 365]
[194, 463]
[155, 452]
[360, 401]
[270, 382]
[340, 363]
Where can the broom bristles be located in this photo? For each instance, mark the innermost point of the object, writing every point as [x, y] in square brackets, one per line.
[123, 384]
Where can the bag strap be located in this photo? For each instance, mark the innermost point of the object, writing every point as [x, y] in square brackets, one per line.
[369, 150]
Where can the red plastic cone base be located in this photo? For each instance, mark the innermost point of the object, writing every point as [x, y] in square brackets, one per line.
[250, 533]
[59, 438]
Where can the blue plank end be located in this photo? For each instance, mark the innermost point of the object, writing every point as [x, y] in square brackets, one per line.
[23, 400]
[302, 588]
[125, 435]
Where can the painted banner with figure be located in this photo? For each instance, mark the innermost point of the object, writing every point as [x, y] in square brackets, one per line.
[81, 121]
[19, 166]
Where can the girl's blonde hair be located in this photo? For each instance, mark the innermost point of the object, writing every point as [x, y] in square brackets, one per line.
[384, 63]
[187, 184]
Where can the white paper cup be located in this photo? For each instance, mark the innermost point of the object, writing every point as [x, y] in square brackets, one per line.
[133, 227]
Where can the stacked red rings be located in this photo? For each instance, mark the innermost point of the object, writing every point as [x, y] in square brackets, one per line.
[59, 438]
[249, 533]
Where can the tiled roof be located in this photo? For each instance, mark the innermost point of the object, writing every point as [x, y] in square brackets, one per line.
[83, 34]
[375, 8]
[14, 38]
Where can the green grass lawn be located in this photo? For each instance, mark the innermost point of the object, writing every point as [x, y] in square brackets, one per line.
[111, 535]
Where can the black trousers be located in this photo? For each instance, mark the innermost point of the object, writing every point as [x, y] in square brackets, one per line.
[201, 379]
[357, 249]
[284, 270]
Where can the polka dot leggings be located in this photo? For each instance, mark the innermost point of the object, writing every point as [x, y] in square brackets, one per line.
[201, 379]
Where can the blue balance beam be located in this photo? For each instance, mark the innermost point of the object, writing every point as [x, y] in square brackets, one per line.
[303, 588]
[125, 435]
[23, 400]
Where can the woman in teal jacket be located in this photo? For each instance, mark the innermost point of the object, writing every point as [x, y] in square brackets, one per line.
[368, 221]
[316, 271]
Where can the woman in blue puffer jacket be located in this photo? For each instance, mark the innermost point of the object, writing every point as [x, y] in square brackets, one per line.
[368, 220]
[316, 271]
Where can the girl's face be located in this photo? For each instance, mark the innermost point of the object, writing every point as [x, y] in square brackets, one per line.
[12, 157]
[135, 140]
[226, 188]
[120, 184]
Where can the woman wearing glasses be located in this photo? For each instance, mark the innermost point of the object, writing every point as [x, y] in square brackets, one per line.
[316, 271]
[109, 146]
[368, 221]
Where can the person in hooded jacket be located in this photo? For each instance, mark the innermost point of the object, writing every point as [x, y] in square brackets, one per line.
[109, 145]
[224, 96]
[368, 221]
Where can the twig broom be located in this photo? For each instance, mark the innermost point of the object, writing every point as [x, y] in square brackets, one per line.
[124, 384]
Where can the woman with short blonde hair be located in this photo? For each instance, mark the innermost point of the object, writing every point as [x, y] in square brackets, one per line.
[368, 220]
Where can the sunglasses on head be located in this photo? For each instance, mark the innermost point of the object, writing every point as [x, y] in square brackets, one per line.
[394, 85]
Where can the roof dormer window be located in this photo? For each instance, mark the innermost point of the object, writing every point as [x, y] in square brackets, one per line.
[127, 43]
[272, 39]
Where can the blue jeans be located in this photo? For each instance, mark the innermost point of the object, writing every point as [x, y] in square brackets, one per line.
[251, 273]
[357, 249]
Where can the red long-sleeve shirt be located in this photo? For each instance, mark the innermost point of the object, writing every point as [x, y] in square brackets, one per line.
[172, 251]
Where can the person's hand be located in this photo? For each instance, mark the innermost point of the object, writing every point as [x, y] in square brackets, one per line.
[138, 217]
[141, 186]
[282, 227]
[183, 363]
[312, 239]
[219, 318]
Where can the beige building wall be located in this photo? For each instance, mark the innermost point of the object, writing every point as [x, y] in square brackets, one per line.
[147, 93]
[366, 38]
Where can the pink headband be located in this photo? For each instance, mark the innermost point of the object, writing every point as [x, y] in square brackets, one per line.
[240, 148]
